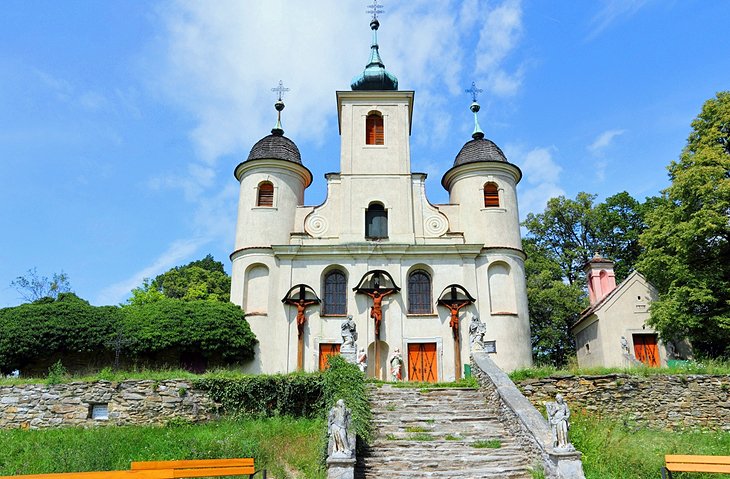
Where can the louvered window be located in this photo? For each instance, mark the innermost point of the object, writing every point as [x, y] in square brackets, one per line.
[335, 293]
[376, 221]
[491, 195]
[419, 293]
[266, 194]
[374, 130]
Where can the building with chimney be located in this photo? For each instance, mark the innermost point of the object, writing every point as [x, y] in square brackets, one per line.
[409, 275]
[612, 331]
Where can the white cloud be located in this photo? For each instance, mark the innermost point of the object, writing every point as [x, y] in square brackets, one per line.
[603, 141]
[499, 36]
[541, 177]
[175, 253]
[612, 11]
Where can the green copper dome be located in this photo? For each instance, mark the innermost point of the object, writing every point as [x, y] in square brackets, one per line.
[375, 76]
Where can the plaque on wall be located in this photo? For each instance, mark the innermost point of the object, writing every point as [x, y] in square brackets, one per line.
[490, 347]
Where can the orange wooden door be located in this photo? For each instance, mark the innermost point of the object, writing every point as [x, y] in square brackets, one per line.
[325, 351]
[646, 350]
[422, 365]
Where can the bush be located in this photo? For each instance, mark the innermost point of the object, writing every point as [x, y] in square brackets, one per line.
[46, 327]
[209, 327]
[296, 395]
[343, 380]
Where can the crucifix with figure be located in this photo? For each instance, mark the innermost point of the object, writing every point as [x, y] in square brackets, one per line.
[301, 296]
[377, 284]
[455, 298]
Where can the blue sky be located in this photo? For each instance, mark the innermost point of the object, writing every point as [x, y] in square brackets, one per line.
[121, 122]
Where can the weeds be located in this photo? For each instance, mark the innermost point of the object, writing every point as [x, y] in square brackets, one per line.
[487, 444]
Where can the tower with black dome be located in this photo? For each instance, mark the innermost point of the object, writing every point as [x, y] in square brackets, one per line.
[376, 229]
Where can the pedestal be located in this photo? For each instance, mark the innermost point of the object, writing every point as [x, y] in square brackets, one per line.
[340, 468]
[349, 352]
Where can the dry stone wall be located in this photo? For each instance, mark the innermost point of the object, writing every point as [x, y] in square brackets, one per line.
[669, 402]
[83, 404]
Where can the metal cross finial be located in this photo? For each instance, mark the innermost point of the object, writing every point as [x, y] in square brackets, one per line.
[375, 9]
[474, 91]
[280, 89]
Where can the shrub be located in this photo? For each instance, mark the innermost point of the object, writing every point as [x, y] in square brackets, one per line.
[209, 327]
[47, 327]
[343, 380]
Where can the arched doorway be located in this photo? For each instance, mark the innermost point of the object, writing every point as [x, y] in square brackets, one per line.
[384, 352]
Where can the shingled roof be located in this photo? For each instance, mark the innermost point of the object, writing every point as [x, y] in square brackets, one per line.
[479, 149]
[276, 147]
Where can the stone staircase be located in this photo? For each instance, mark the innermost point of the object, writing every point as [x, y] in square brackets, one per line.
[432, 433]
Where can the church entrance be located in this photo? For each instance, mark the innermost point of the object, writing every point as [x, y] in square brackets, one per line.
[325, 351]
[422, 365]
[646, 350]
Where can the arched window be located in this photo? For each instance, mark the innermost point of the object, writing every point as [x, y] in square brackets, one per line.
[419, 293]
[374, 130]
[376, 221]
[335, 293]
[266, 194]
[491, 195]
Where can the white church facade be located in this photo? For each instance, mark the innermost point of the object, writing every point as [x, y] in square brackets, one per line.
[377, 239]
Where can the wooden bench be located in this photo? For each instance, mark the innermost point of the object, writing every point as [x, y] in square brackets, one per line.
[679, 463]
[163, 470]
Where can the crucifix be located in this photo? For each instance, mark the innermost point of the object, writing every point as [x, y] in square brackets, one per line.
[474, 91]
[455, 298]
[297, 296]
[375, 9]
[371, 285]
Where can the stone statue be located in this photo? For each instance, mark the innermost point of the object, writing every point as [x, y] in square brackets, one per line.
[339, 430]
[625, 345]
[558, 416]
[362, 360]
[477, 330]
[349, 332]
[396, 366]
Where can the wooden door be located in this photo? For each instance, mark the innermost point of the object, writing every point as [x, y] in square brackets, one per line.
[325, 351]
[422, 363]
[646, 350]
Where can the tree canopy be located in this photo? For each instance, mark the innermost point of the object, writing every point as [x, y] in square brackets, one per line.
[33, 286]
[687, 242]
[201, 279]
[559, 242]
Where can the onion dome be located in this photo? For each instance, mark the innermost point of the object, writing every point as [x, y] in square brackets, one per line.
[375, 76]
[276, 146]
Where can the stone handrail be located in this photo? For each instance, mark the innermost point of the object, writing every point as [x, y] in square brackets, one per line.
[525, 421]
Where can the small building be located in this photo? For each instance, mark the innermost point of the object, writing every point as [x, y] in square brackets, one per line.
[613, 330]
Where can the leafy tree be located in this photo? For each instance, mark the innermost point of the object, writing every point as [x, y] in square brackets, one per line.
[211, 328]
[33, 287]
[559, 242]
[687, 242]
[201, 279]
[554, 305]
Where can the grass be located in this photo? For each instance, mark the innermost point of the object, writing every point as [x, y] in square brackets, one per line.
[281, 445]
[421, 436]
[487, 444]
[416, 429]
[613, 449]
[712, 367]
[451, 437]
[107, 374]
[461, 383]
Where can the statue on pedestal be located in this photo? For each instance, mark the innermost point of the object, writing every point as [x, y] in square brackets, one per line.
[477, 330]
[341, 437]
[349, 333]
[558, 416]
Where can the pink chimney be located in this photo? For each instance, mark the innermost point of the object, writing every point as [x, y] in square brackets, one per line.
[601, 278]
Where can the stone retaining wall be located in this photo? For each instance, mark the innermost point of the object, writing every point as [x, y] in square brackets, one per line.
[671, 402]
[127, 402]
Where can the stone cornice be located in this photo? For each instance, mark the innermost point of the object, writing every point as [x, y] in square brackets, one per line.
[479, 168]
[273, 164]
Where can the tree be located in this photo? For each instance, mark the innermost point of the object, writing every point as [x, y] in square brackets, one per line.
[202, 279]
[687, 242]
[33, 287]
[559, 242]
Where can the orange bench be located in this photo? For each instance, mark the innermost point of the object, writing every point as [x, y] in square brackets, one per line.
[679, 463]
[163, 470]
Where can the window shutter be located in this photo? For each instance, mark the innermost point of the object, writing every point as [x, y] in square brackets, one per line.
[374, 134]
[491, 195]
[266, 194]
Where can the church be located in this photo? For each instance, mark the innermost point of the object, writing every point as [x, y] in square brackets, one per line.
[410, 275]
